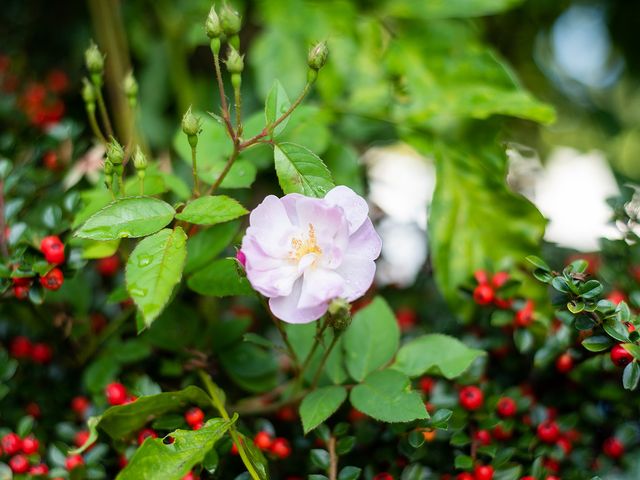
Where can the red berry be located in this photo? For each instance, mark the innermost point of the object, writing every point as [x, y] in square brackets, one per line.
[20, 292]
[19, 464]
[108, 266]
[197, 426]
[81, 437]
[551, 464]
[483, 294]
[564, 363]
[426, 385]
[499, 279]
[40, 469]
[57, 81]
[11, 443]
[551, 477]
[21, 347]
[30, 445]
[52, 280]
[73, 461]
[548, 431]
[528, 477]
[481, 277]
[620, 356]
[50, 160]
[190, 476]
[383, 476]
[565, 445]
[483, 472]
[500, 433]
[524, 317]
[80, 405]
[483, 436]
[612, 447]
[471, 398]
[281, 448]
[22, 281]
[41, 353]
[53, 249]
[234, 449]
[116, 393]
[406, 318]
[630, 327]
[122, 461]
[33, 409]
[616, 296]
[464, 476]
[146, 433]
[263, 440]
[506, 407]
[287, 414]
[193, 416]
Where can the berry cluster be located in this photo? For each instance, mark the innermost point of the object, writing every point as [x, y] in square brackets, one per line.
[52, 249]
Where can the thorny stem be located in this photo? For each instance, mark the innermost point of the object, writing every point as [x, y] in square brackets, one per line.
[219, 405]
[333, 459]
[223, 98]
[194, 169]
[103, 111]
[225, 170]
[3, 238]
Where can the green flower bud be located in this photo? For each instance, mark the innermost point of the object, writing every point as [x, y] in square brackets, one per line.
[108, 167]
[115, 153]
[212, 24]
[318, 56]
[139, 159]
[339, 312]
[88, 92]
[235, 61]
[230, 20]
[190, 124]
[130, 86]
[93, 59]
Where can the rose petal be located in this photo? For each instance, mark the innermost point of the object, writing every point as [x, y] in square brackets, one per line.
[286, 308]
[320, 286]
[355, 207]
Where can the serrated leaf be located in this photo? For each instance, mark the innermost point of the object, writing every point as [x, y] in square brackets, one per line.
[319, 405]
[153, 270]
[371, 340]
[220, 279]
[386, 396]
[300, 170]
[435, 354]
[275, 106]
[130, 217]
[172, 461]
[211, 210]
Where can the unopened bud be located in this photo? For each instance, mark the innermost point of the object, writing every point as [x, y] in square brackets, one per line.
[108, 168]
[191, 127]
[339, 312]
[318, 56]
[139, 159]
[130, 87]
[235, 61]
[88, 94]
[115, 153]
[230, 20]
[93, 59]
[212, 24]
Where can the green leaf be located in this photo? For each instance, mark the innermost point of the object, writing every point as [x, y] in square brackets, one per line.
[211, 210]
[319, 405]
[130, 217]
[597, 343]
[241, 174]
[523, 340]
[538, 263]
[616, 330]
[349, 473]
[500, 227]
[435, 354]
[591, 289]
[220, 279]
[301, 171]
[207, 244]
[386, 396]
[436, 9]
[159, 461]
[122, 421]
[92, 249]
[463, 462]
[320, 458]
[153, 270]
[631, 375]
[251, 367]
[371, 340]
[276, 105]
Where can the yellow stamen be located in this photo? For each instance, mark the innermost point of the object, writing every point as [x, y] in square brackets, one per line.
[302, 247]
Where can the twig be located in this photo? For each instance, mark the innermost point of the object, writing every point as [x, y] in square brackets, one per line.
[95, 127]
[223, 99]
[103, 111]
[323, 360]
[333, 459]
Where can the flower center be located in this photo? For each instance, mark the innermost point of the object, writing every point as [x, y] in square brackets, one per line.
[304, 246]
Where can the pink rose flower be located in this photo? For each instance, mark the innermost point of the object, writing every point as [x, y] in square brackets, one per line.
[303, 252]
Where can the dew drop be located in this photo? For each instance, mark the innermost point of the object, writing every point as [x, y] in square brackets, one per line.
[144, 260]
[124, 234]
[136, 291]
